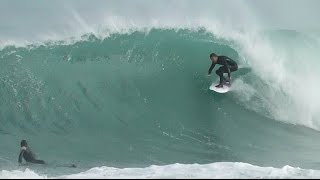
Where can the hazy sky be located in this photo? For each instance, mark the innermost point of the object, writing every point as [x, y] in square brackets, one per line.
[288, 13]
[33, 17]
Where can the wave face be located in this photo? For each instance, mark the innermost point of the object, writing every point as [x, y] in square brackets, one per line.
[131, 93]
[142, 99]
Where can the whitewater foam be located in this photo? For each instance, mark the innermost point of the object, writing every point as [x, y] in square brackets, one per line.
[220, 170]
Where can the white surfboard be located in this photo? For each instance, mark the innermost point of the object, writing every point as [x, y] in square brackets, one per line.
[224, 89]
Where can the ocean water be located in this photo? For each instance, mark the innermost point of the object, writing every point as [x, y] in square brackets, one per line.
[123, 92]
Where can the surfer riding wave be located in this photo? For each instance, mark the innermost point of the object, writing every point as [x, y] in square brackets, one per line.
[228, 66]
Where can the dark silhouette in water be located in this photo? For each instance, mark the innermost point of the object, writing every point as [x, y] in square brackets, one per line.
[27, 154]
[29, 157]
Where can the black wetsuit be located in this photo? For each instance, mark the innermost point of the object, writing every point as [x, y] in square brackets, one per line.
[28, 156]
[228, 66]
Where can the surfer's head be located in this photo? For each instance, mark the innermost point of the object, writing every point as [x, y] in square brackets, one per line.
[23, 143]
[214, 57]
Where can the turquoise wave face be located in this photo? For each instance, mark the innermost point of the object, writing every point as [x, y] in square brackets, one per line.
[139, 99]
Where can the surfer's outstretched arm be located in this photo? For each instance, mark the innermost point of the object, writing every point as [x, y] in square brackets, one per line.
[20, 156]
[35, 161]
[211, 68]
